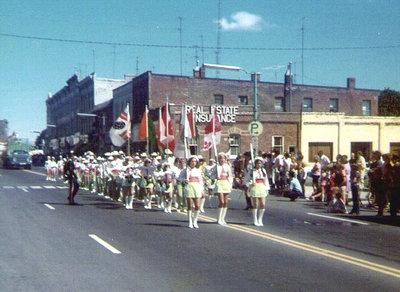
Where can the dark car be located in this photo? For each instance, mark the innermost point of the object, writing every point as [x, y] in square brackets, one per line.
[19, 159]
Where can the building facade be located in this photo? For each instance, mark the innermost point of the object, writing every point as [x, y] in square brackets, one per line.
[279, 106]
[65, 128]
[284, 110]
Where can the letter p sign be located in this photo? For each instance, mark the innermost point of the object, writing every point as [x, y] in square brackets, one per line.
[255, 128]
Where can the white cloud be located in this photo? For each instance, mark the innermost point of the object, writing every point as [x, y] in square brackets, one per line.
[242, 20]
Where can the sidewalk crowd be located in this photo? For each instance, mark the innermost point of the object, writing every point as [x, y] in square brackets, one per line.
[169, 182]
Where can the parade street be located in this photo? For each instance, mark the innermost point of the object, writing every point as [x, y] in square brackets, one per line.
[98, 245]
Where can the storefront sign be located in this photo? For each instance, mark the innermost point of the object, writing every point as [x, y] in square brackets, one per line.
[226, 114]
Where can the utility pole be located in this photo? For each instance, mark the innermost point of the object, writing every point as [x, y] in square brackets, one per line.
[113, 61]
[217, 52]
[94, 60]
[137, 65]
[302, 51]
[202, 49]
[180, 40]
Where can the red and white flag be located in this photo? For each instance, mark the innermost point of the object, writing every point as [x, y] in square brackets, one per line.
[187, 124]
[121, 131]
[165, 132]
[212, 131]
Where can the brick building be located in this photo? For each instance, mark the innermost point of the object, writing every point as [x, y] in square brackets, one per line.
[279, 109]
[280, 106]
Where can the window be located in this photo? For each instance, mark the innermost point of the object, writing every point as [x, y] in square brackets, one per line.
[307, 104]
[364, 147]
[366, 107]
[218, 99]
[395, 148]
[315, 147]
[333, 105]
[243, 100]
[234, 145]
[278, 104]
[277, 143]
[192, 145]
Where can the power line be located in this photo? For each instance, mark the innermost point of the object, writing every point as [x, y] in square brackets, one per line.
[193, 46]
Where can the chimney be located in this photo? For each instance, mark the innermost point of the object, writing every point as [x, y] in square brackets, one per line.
[351, 83]
[199, 72]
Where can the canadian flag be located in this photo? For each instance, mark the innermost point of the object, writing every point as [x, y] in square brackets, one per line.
[120, 132]
[165, 132]
[212, 131]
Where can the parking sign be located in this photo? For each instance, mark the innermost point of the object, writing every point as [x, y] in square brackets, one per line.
[255, 128]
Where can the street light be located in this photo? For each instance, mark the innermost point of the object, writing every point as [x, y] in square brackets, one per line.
[236, 68]
[96, 116]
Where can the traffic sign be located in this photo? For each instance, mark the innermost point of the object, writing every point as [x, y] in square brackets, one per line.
[255, 128]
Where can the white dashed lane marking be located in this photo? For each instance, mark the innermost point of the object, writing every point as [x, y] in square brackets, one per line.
[49, 206]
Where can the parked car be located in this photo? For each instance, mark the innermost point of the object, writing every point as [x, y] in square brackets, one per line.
[18, 159]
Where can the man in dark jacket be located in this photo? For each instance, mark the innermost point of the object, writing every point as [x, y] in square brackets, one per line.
[71, 176]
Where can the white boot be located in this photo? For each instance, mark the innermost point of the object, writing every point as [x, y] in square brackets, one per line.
[126, 203]
[254, 211]
[130, 202]
[195, 218]
[170, 207]
[202, 201]
[190, 219]
[224, 210]
[220, 211]
[260, 217]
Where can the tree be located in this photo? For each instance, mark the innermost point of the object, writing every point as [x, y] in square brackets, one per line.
[389, 103]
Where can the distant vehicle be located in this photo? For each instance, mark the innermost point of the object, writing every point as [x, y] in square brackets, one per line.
[18, 159]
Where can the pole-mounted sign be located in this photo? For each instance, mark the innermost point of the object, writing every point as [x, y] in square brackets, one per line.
[255, 128]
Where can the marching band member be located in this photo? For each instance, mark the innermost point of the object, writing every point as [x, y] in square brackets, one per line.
[223, 185]
[210, 182]
[158, 176]
[192, 178]
[167, 187]
[147, 182]
[257, 181]
[130, 176]
[180, 196]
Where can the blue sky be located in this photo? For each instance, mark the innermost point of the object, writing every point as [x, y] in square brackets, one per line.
[342, 38]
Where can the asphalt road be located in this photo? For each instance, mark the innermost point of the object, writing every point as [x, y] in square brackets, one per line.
[47, 245]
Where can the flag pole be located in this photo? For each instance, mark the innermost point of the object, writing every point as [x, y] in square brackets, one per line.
[184, 130]
[130, 132]
[147, 130]
[166, 121]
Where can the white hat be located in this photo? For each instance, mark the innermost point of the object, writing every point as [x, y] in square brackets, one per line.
[154, 154]
[167, 151]
[258, 158]
[143, 155]
[200, 157]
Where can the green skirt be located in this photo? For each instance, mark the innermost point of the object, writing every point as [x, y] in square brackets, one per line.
[258, 191]
[193, 190]
[222, 187]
